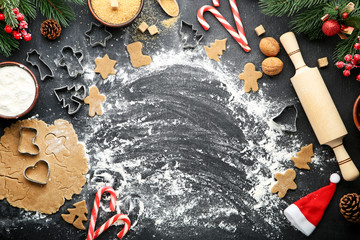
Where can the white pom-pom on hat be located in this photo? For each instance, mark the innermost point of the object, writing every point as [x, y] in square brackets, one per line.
[335, 178]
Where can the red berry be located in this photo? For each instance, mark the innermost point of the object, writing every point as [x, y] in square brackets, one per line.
[345, 15]
[16, 35]
[340, 64]
[23, 24]
[357, 57]
[2, 17]
[23, 32]
[357, 46]
[8, 29]
[19, 17]
[27, 37]
[353, 62]
[348, 58]
[16, 11]
[346, 73]
[342, 27]
[358, 77]
[348, 67]
[359, 38]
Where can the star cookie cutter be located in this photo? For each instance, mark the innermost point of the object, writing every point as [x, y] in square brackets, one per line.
[33, 167]
[71, 60]
[185, 28]
[33, 141]
[43, 68]
[77, 97]
[98, 30]
[286, 119]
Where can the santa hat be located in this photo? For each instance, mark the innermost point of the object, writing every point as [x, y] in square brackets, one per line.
[306, 213]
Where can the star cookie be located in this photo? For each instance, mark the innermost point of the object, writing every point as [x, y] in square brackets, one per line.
[105, 66]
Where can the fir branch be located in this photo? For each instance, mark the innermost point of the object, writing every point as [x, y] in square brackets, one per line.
[28, 9]
[346, 46]
[7, 7]
[286, 7]
[58, 10]
[308, 22]
[78, 2]
[7, 42]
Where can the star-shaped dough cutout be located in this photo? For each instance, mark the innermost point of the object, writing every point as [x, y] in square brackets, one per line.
[105, 66]
[94, 100]
[250, 76]
[284, 182]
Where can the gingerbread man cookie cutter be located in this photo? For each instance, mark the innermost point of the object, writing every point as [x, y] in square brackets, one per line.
[189, 40]
[77, 97]
[32, 168]
[71, 60]
[98, 30]
[32, 141]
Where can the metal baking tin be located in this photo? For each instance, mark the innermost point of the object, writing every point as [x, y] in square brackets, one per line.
[34, 181]
[185, 36]
[46, 66]
[291, 126]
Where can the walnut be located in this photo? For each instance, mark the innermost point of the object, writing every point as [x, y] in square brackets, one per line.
[272, 66]
[269, 47]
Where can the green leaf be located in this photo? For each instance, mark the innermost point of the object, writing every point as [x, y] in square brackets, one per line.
[353, 22]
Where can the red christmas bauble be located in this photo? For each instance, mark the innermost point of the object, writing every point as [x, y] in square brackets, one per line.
[2, 17]
[330, 27]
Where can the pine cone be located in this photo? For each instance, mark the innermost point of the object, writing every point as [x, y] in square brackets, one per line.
[350, 207]
[50, 29]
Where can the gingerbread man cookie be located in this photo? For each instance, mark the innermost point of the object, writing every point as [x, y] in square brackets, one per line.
[284, 182]
[94, 100]
[250, 76]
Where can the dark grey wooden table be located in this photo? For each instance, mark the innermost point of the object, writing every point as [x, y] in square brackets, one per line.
[174, 125]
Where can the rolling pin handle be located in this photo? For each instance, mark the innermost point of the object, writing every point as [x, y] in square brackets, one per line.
[347, 166]
[289, 42]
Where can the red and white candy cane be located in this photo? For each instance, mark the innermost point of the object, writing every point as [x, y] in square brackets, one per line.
[239, 35]
[216, 3]
[95, 209]
[117, 218]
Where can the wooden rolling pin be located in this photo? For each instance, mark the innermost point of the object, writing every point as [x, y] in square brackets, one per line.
[319, 107]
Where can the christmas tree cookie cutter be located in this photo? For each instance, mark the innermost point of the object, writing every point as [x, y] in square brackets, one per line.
[98, 35]
[189, 35]
[34, 58]
[32, 141]
[71, 60]
[287, 118]
[33, 168]
[77, 97]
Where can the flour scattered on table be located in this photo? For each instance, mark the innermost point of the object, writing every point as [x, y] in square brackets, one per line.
[187, 141]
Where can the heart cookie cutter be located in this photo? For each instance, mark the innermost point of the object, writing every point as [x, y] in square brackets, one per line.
[33, 167]
[77, 97]
[286, 119]
[96, 30]
[33, 141]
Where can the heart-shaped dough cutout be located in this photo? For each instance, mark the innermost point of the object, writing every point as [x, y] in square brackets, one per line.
[38, 173]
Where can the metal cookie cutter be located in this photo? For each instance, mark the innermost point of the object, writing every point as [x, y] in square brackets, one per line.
[96, 34]
[286, 119]
[33, 141]
[33, 168]
[71, 59]
[77, 96]
[189, 35]
[34, 58]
